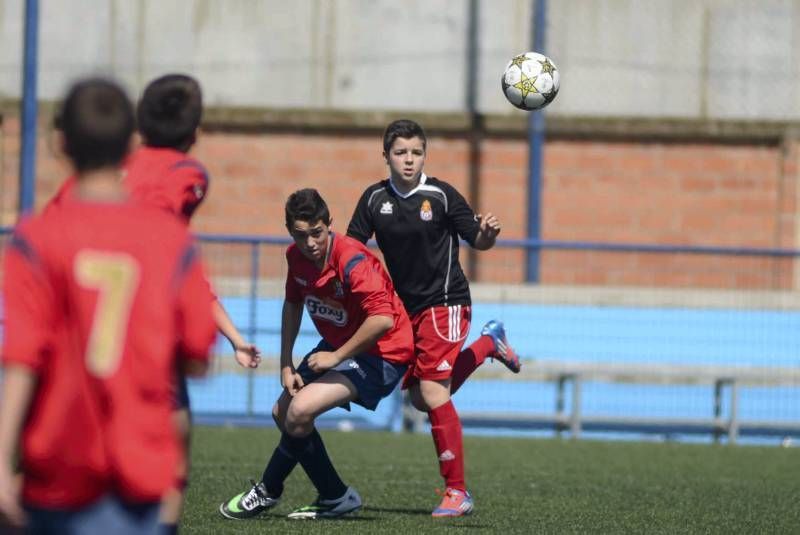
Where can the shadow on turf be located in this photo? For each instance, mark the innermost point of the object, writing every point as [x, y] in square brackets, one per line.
[467, 522]
[401, 511]
[268, 516]
[463, 523]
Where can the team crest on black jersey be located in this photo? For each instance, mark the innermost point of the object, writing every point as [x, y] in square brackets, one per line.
[425, 211]
[387, 208]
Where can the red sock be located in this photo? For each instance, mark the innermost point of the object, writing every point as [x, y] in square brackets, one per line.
[468, 361]
[446, 431]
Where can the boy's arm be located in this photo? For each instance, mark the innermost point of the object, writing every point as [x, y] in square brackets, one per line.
[360, 226]
[487, 232]
[246, 354]
[369, 285]
[28, 300]
[19, 383]
[365, 337]
[291, 317]
[196, 328]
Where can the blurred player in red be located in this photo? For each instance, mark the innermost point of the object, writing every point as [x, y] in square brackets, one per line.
[365, 349]
[104, 299]
[417, 221]
[162, 174]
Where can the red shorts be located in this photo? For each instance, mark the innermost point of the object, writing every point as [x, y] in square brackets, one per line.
[439, 334]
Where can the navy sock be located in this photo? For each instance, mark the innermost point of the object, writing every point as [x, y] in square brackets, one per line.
[313, 457]
[168, 529]
[279, 467]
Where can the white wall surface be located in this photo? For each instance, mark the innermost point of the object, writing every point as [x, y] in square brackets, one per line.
[676, 58]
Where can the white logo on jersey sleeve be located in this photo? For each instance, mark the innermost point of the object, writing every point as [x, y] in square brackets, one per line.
[318, 309]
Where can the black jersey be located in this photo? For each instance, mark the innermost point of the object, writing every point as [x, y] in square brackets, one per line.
[418, 234]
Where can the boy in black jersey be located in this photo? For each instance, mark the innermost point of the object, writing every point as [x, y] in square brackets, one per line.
[417, 221]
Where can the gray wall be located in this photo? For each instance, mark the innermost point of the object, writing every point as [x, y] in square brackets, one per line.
[678, 58]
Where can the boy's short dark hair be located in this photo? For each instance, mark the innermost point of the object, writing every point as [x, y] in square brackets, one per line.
[169, 111]
[97, 121]
[306, 205]
[404, 128]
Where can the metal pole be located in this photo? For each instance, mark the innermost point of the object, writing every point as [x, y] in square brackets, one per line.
[718, 385]
[560, 404]
[575, 417]
[27, 160]
[733, 426]
[255, 262]
[535, 142]
[474, 135]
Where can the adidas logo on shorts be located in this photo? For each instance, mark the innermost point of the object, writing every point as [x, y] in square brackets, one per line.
[444, 366]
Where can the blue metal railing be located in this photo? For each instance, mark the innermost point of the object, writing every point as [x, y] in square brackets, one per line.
[255, 241]
[248, 316]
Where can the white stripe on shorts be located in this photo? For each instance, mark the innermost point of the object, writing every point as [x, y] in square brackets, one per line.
[453, 324]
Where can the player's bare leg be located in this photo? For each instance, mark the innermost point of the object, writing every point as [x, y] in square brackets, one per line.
[300, 442]
[328, 392]
[335, 498]
[172, 503]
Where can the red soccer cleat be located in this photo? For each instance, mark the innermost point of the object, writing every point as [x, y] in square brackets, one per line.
[454, 503]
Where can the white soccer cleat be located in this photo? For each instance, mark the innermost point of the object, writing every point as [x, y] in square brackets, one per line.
[350, 502]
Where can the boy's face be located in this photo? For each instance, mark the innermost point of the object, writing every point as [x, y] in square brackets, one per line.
[406, 157]
[311, 239]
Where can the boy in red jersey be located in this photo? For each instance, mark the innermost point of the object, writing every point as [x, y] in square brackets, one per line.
[160, 173]
[97, 320]
[365, 349]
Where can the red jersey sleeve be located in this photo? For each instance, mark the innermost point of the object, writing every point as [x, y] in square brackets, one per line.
[28, 300]
[196, 327]
[187, 184]
[368, 285]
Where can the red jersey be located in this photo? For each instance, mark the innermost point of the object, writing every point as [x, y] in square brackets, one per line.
[100, 300]
[165, 178]
[351, 286]
[64, 193]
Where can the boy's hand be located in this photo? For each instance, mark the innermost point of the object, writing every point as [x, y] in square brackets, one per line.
[247, 355]
[490, 225]
[322, 361]
[291, 380]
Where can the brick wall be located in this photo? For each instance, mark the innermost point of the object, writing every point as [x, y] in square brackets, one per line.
[595, 188]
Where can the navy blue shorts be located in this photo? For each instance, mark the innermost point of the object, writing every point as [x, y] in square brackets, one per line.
[180, 393]
[107, 515]
[373, 377]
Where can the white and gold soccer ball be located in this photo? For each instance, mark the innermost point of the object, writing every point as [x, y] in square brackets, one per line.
[530, 81]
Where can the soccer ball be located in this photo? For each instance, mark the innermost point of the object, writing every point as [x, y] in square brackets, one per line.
[530, 81]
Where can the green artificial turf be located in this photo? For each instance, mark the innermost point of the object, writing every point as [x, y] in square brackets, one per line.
[520, 485]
